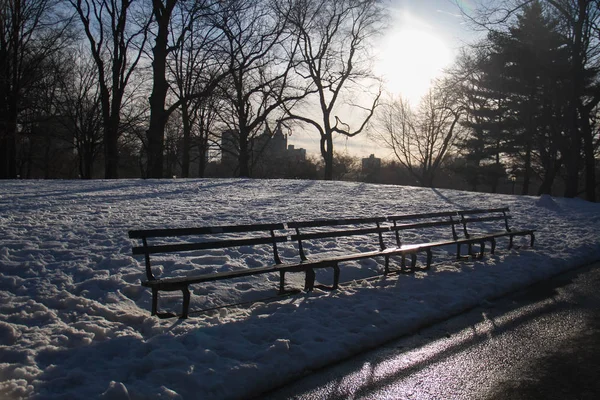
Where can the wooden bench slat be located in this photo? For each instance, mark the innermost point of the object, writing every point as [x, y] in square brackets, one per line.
[483, 210]
[421, 216]
[520, 232]
[149, 233]
[345, 257]
[486, 219]
[215, 276]
[401, 227]
[182, 247]
[333, 222]
[332, 234]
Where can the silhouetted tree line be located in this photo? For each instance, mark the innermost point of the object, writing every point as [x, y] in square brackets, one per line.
[91, 87]
[121, 88]
[530, 94]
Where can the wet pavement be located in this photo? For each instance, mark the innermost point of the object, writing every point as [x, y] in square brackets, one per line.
[540, 343]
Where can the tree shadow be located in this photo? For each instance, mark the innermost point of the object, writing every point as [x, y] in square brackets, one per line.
[569, 374]
[268, 344]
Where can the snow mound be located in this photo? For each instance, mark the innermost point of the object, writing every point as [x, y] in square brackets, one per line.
[547, 202]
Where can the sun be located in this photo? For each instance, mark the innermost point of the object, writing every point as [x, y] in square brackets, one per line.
[409, 59]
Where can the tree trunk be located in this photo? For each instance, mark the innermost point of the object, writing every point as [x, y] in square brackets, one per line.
[428, 179]
[494, 185]
[111, 147]
[185, 151]
[573, 162]
[327, 153]
[158, 115]
[8, 143]
[244, 156]
[8, 149]
[549, 177]
[88, 161]
[589, 159]
[202, 156]
[527, 169]
[577, 90]
[90, 150]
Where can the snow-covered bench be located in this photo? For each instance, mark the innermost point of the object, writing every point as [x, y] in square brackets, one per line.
[416, 233]
[483, 224]
[478, 226]
[330, 253]
[185, 240]
[364, 238]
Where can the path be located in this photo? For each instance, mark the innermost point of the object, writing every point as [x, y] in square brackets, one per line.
[541, 343]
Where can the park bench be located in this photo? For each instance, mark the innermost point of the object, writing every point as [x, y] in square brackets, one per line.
[414, 233]
[483, 224]
[185, 240]
[439, 229]
[307, 232]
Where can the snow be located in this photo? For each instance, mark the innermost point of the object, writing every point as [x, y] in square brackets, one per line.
[75, 322]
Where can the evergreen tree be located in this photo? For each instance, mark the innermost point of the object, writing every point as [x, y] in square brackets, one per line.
[516, 107]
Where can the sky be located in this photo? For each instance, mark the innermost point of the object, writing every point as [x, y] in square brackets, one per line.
[423, 38]
[75, 321]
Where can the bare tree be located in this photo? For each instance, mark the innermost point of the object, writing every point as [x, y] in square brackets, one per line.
[45, 146]
[420, 139]
[162, 12]
[191, 65]
[334, 37]
[79, 108]
[116, 43]
[260, 53]
[30, 33]
[167, 40]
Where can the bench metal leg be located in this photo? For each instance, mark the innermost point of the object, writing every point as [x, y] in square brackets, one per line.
[532, 239]
[309, 279]
[281, 282]
[482, 250]
[154, 301]
[429, 258]
[510, 242]
[493, 245]
[336, 276]
[413, 261]
[186, 302]
[386, 270]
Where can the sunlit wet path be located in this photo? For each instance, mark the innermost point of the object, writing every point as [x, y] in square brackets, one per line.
[541, 343]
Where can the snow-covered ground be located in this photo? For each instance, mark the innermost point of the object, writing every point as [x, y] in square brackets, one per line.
[75, 322]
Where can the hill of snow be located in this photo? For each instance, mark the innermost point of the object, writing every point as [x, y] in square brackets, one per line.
[75, 322]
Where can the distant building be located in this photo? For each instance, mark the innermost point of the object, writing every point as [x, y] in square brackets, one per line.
[296, 154]
[274, 146]
[371, 163]
[267, 151]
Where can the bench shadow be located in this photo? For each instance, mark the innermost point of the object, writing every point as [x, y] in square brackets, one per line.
[528, 304]
[148, 361]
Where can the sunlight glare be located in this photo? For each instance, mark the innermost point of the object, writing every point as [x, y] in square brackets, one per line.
[408, 61]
